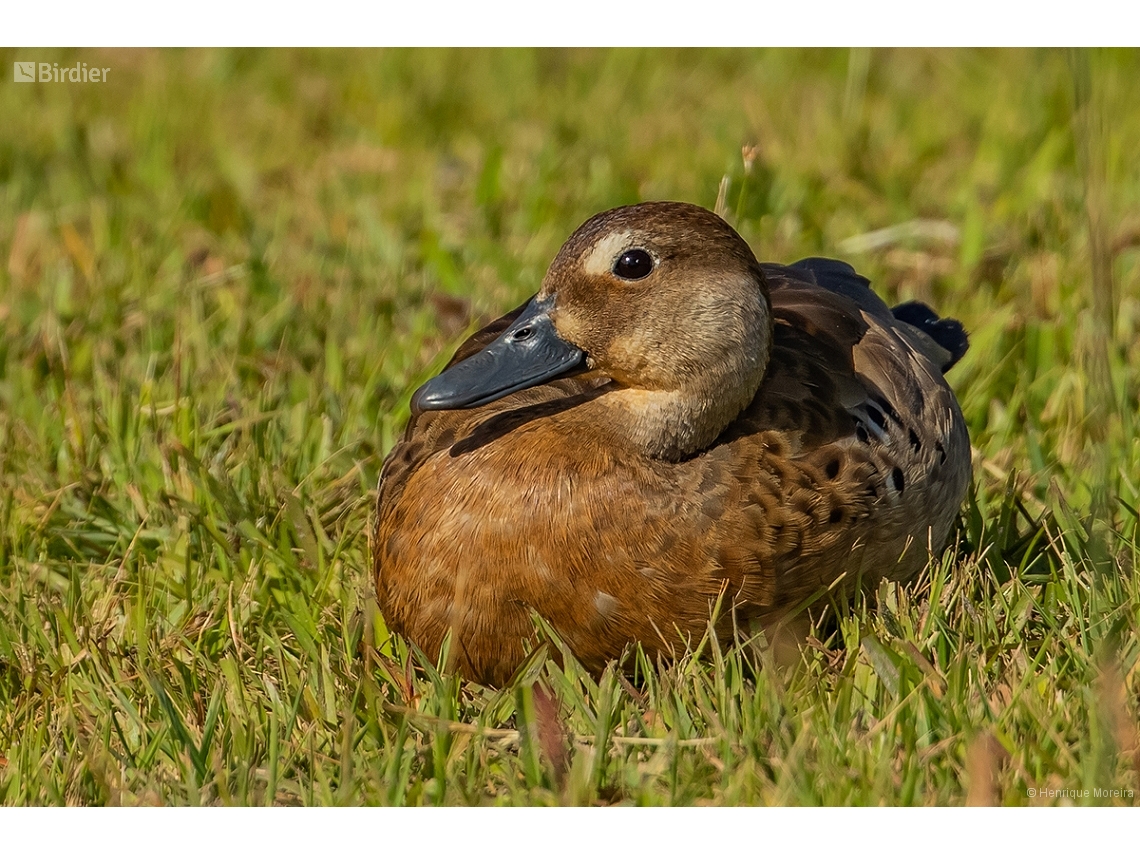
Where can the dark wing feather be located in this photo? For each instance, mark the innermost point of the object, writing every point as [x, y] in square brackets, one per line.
[947, 333]
[839, 277]
[858, 427]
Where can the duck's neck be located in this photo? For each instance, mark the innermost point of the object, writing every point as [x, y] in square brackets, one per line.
[673, 395]
[674, 425]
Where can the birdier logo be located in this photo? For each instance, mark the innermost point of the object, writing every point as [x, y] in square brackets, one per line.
[50, 72]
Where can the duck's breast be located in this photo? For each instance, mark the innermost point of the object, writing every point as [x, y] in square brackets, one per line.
[525, 510]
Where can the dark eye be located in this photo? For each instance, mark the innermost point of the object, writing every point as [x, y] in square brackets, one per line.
[634, 264]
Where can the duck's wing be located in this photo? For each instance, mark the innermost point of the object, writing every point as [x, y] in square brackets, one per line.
[943, 340]
[853, 452]
[841, 360]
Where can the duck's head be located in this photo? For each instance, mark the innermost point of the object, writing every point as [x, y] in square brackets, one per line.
[665, 298]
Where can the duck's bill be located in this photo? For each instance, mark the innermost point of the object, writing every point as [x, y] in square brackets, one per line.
[528, 353]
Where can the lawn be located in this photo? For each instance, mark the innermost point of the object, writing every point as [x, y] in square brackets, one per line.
[223, 273]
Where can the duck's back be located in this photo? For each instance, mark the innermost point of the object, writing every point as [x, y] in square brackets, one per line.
[848, 466]
[854, 450]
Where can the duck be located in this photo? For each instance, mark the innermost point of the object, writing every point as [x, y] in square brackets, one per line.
[668, 433]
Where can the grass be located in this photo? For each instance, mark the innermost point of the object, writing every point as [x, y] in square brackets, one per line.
[224, 272]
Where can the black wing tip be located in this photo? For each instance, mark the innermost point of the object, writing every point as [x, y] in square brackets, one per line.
[948, 333]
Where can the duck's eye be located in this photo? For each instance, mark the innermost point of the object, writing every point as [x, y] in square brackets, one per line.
[634, 264]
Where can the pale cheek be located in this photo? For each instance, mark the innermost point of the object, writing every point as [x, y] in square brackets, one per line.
[635, 357]
[568, 327]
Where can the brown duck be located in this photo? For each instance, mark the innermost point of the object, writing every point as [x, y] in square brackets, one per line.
[667, 422]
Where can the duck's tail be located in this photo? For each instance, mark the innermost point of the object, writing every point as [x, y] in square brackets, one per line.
[946, 332]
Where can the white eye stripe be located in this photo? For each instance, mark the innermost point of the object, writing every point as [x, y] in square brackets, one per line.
[600, 259]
